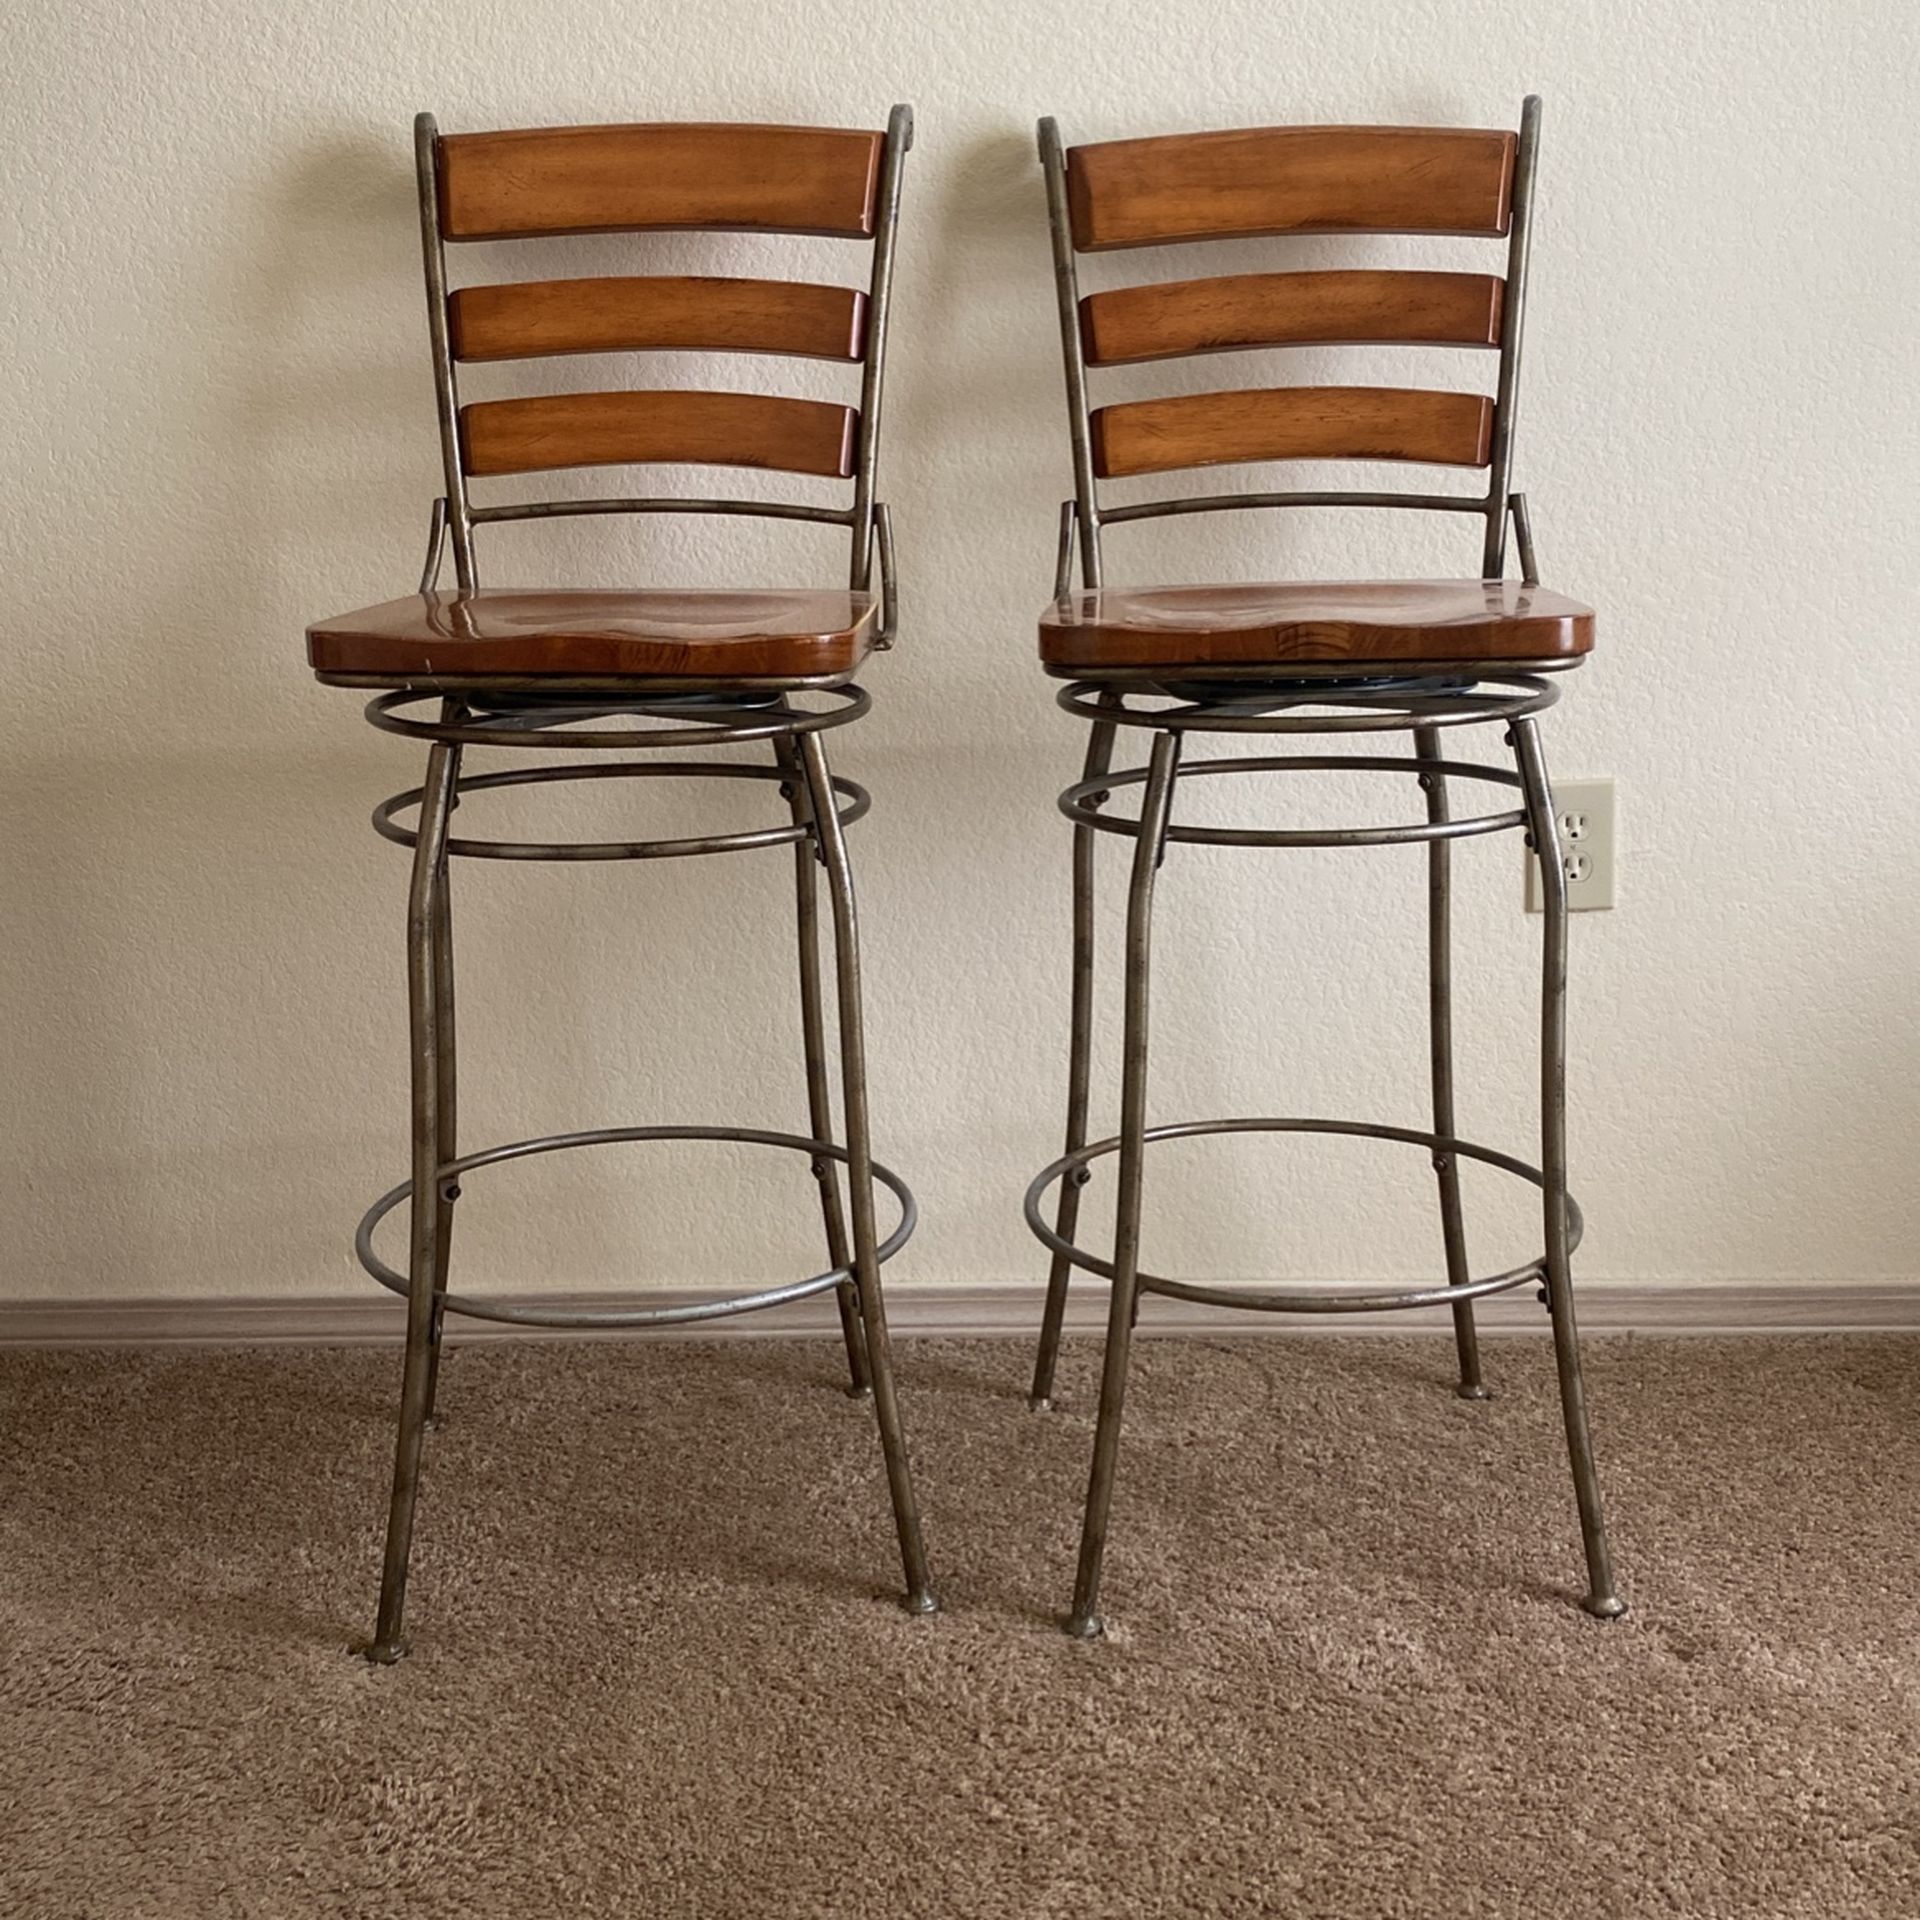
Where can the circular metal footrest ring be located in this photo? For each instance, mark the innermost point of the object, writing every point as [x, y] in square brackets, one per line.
[1299, 1299]
[531, 1316]
[388, 827]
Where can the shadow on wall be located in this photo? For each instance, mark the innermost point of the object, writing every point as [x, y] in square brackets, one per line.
[207, 932]
[163, 882]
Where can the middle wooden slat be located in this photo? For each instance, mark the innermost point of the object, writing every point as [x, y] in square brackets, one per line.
[1163, 320]
[534, 318]
[545, 431]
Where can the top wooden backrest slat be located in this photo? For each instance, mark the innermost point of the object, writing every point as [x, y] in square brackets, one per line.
[534, 181]
[1264, 180]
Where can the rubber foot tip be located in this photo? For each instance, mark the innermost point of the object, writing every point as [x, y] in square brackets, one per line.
[1471, 1390]
[859, 1393]
[1039, 1403]
[385, 1653]
[1086, 1626]
[1605, 1606]
[920, 1602]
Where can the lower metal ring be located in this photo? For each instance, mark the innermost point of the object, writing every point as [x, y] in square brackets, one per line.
[1300, 1299]
[474, 1309]
[388, 828]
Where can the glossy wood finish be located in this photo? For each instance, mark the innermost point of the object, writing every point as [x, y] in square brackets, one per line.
[513, 185]
[1257, 180]
[1292, 423]
[1165, 320]
[1307, 623]
[535, 318]
[545, 431]
[760, 635]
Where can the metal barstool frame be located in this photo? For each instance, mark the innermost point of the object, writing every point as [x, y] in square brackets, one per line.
[639, 717]
[1337, 700]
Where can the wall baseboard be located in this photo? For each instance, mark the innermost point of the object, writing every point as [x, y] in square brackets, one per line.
[959, 1312]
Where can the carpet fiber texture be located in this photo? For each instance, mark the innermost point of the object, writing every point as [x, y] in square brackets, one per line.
[658, 1670]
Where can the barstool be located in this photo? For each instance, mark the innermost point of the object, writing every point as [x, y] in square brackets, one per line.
[641, 672]
[1358, 659]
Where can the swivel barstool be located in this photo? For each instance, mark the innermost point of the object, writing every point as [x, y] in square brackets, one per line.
[643, 672]
[1353, 659]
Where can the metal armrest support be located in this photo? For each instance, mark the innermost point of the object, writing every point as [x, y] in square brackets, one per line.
[1523, 536]
[1063, 565]
[436, 546]
[889, 586]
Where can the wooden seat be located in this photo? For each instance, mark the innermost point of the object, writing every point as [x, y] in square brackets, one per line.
[1400, 623]
[587, 634]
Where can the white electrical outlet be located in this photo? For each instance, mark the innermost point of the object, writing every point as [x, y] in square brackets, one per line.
[1583, 811]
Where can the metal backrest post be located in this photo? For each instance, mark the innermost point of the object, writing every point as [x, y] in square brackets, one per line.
[1513, 315]
[1066, 281]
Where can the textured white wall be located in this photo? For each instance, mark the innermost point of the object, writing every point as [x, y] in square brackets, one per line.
[220, 425]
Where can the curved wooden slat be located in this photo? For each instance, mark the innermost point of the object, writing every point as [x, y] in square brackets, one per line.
[533, 318]
[1292, 423]
[544, 431]
[529, 181]
[1254, 180]
[1310, 622]
[1164, 321]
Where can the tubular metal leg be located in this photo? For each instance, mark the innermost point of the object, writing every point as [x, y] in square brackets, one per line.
[446, 1106]
[826, 1172]
[447, 1090]
[425, 904]
[1440, 1040]
[853, 1090]
[1079, 1068]
[1084, 1622]
[1601, 1599]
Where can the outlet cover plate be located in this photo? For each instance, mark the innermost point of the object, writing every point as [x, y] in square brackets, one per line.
[1584, 812]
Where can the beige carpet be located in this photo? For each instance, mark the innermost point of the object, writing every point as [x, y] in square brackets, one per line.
[657, 1670]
